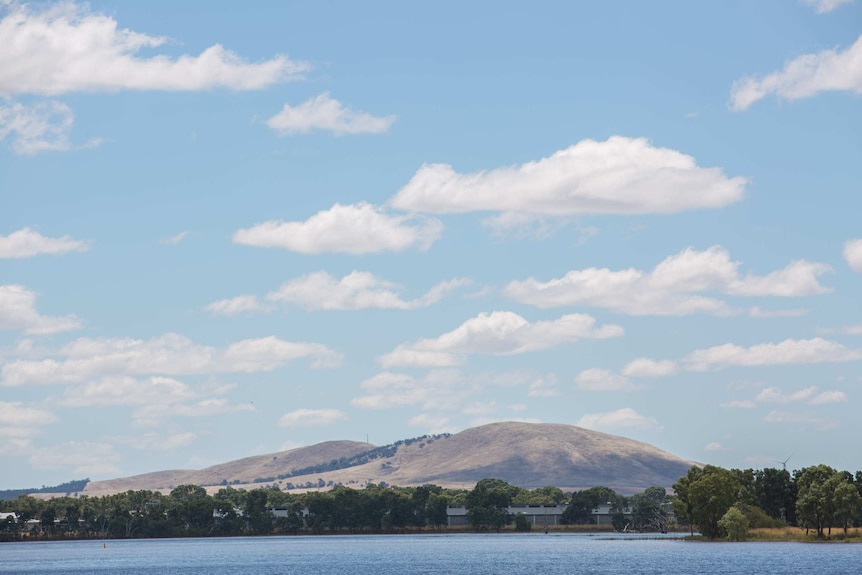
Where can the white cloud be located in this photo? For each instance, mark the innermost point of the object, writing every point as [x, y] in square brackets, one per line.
[174, 240]
[497, 333]
[672, 287]
[66, 48]
[803, 419]
[237, 305]
[775, 395]
[169, 354]
[803, 77]
[544, 387]
[441, 389]
[740, 404]
[26, 243]
[124, 390]
[824, 6]
[357, 290]
[42, 127]
[352, 229]
[716, 446]
[18, 311]
[20, 421]
[154, 415]
[645, 367]
[597, 379]
[437, 423]
[311, 417]
[832, 396]
[325, 113]
[807, 395]
[82, 458]
[158, 442]
[617, 176]
[787, 352]
[758, 313]
[625, 418]
[853, 254]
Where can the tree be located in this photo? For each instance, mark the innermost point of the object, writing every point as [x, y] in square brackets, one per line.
[735, 524]
[488, 502]
[848, 503]
[682, 506]
[522, 524]
[649, 511]
[582, 504]
[776, 493]
[815, 503]
[710, 497]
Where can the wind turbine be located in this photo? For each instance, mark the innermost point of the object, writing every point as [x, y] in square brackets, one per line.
[784, 463]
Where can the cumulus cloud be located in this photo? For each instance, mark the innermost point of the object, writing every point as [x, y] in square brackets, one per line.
[853, 254]
[311, 417]
[807, 421]
[824, 6]
[645, 367]
[154, 415]
[617, 176]
[19, 421]
[497, 333]
[740, 404]
[353, 229]
[169, 354]
[716, 446]
[803, 77]
[625, 418]
[444, 390]
[807, 395]
[326, 113]
[673, 287]
[124, 390]
[66, 48]
[357, 290]
[544, 387]
[18, 311]
[41, 127]
[176, 239]
[237, 305]
[597, 379]
[26, 243]
[158, 442]
[787, 352]
[82, 458]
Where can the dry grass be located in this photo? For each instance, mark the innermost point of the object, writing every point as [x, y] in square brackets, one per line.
[797, 534]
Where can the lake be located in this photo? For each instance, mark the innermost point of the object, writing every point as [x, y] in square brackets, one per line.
[469, 554]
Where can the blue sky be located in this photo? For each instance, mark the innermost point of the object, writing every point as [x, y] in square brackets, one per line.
[229, 231]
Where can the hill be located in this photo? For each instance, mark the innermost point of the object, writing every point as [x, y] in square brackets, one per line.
[529, 455]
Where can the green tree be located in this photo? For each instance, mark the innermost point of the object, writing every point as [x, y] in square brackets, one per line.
[735, 524]
[649, 509]
[848, 503]
[710, 497]
[488, 502]
[815, 503]
[582, 504]
[682, 505]
[522, 524]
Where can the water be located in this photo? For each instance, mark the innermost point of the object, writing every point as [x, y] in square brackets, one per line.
[466, 554]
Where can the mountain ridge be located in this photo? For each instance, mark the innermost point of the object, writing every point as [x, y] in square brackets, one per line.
[528, 455]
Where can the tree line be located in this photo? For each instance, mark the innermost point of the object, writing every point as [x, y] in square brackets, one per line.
[726, 502]
[189, 511]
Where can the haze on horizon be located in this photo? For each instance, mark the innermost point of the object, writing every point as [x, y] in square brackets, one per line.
[227, 232]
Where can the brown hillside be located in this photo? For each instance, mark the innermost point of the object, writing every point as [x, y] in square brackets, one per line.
[529, 455]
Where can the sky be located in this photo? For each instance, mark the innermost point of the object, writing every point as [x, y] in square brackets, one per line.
[230, 230]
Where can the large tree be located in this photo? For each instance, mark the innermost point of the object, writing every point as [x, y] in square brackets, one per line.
[710, 496]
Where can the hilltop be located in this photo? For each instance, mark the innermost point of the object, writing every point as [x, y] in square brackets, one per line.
[528, 455]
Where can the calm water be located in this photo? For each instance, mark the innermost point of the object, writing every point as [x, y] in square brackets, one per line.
[396, 555]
